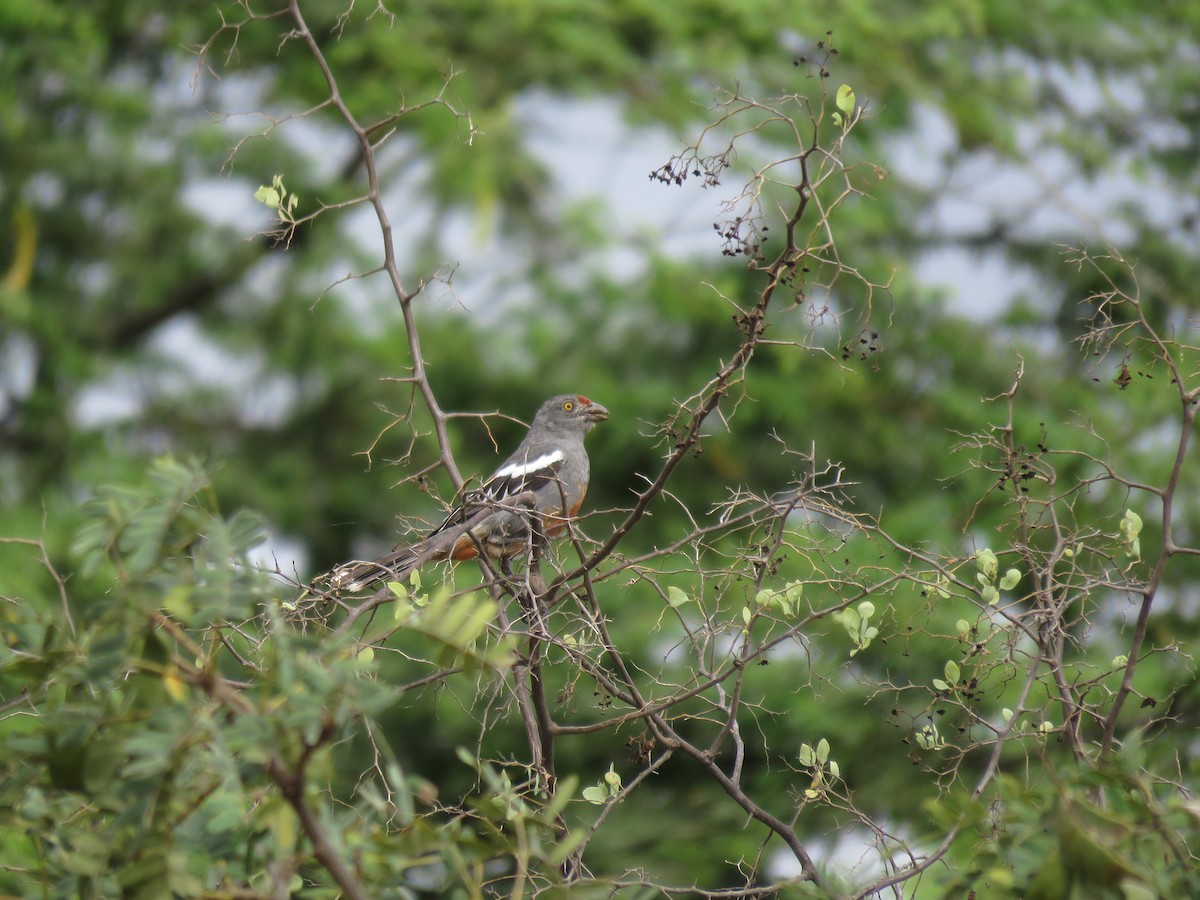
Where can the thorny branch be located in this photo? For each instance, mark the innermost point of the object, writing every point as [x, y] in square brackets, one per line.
[1073, 570]
[791, 265]
[1027, 638]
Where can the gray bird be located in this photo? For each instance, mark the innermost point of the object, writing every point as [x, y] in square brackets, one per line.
[547, 475]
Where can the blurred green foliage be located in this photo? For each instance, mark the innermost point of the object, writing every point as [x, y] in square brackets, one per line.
[141, 316]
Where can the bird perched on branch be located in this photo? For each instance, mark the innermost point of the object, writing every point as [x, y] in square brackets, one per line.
[531, 495]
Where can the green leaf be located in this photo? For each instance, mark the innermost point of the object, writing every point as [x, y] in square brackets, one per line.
[987, 563]
[458, 624]
[246, 531]
[845, 99]
[1131, 524]
[147, 877]
[83, 865]
[1010, 580]
[279, 821]
[952, 672]
[561, 851]
[267, 196]
[1132, 889]
[927, 737]
[676, 597]
[563, 792]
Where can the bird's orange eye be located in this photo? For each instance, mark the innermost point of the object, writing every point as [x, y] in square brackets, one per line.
[568, 405]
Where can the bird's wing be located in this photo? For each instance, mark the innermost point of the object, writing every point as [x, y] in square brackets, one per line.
[521, 475]
[515, 477]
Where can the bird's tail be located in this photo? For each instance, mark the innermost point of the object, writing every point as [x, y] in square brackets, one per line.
[398, 565]
[353, 576]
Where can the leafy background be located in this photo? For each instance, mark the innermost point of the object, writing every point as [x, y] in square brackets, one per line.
[143, 313]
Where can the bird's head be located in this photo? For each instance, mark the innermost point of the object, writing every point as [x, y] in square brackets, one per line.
[571, 410]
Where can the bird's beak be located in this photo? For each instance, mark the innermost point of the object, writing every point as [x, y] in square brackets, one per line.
[596, 412]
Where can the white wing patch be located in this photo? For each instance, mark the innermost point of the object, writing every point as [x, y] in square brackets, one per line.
[507, 481]
[519, 472]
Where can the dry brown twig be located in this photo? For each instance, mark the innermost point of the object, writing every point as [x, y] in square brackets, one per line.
[1027, 640]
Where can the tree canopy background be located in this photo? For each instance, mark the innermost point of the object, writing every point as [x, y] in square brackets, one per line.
[1011, 216]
